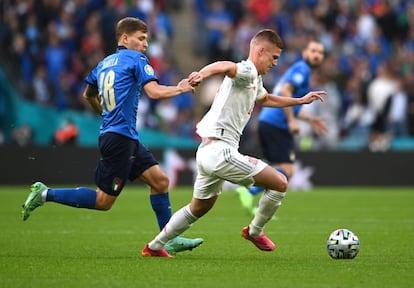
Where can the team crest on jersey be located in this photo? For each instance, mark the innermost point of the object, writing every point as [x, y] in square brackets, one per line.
[148, 69]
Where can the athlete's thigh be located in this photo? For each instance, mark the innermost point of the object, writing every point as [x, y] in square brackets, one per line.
[115, 163]
[156, 178]
[143, 160]
[221, 160]
[270, 178]
[238, 168]
[206, 186]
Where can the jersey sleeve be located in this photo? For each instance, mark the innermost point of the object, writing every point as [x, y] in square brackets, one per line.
[144, 70]
[91, 79]
[296, 77]
[261, 90]
[245, 73]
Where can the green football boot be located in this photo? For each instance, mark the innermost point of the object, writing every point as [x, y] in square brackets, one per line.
[179, 244]
[246, 198]
[34, 199]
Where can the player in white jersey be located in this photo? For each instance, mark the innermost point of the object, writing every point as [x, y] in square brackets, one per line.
[233, 104]
[217, 156]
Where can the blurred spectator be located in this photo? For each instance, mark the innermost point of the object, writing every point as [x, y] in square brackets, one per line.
[22, 136]
[41, 89]
[381, 90]
[261, 9]
[365, 25]
[329, 110]
[247, 28]
[409, 89]
[397, 124]
[49, 46]
[219, 24]
[356, 117]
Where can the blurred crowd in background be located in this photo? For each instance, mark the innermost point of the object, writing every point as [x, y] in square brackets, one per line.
[49, 46]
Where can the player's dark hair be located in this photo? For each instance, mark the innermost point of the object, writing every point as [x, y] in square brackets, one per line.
[271, 36]
[129, 25]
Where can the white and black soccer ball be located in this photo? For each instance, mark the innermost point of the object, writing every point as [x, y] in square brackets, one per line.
[343, 244]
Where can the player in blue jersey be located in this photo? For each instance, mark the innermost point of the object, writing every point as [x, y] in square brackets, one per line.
[113, 90]
[277, 126]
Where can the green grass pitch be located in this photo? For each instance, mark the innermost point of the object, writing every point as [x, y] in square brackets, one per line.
[66, 247]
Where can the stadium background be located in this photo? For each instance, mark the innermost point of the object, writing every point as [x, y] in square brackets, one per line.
[49, 47]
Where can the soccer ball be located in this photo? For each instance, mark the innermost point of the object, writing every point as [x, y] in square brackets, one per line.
[343, 244]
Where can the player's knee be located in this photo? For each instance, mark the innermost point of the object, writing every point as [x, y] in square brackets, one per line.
[104, 206]
[162, 183]
[104, 201]
[283, 184]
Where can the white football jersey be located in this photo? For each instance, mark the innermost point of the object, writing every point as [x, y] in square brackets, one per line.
[233, 105]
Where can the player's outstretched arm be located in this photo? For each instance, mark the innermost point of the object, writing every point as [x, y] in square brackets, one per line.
[227, 68]
[276, 101]
[157, 91]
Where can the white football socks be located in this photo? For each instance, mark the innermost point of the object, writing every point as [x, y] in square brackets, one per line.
[268, 205]
[179, 222]
[44, 195]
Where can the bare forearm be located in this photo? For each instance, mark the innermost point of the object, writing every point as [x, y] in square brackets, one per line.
[220, 67]
[227, 68]
[157, 91]
[91, 94]
[165, 92]
[280, 102]
[95, 105]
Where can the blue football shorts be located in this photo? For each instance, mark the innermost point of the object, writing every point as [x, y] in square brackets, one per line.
[277, 144]
[122, 158]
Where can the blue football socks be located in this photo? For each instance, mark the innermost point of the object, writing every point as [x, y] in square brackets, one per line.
[283, 171]
[80, 197]
[254, 190]
[162, 207]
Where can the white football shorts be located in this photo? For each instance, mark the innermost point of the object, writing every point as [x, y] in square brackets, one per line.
[218, 161]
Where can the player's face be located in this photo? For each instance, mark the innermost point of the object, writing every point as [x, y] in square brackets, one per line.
[269, 58]
[314, 54]
[137, 41]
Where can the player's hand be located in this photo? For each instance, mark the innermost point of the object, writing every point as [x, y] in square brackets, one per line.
[293, 126]
[195, 78]
[313, 96]
[319, 125]
[185, 86]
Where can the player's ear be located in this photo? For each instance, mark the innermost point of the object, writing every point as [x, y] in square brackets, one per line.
[124, 39]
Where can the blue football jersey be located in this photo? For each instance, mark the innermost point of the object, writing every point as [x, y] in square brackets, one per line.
[297, 75]
[120, 78]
